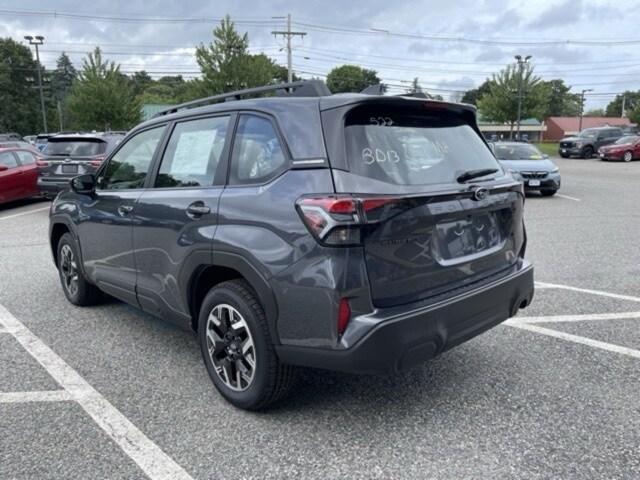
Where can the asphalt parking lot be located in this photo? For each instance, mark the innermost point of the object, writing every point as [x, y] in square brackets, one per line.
[109, 392]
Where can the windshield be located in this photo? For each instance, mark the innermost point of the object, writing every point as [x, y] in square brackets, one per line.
[627, 139]
[418, 148]
[517, 152]
[79, 148]
[588, 133]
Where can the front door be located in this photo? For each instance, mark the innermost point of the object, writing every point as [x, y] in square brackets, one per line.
[105, 225]
[176, 216]
[9, 177]
[29, 180]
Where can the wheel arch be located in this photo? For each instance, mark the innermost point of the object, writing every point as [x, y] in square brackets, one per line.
[57, 228]
[229, 267]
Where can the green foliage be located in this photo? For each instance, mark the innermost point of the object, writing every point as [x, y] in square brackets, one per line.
[227, 65]
[351, 78]
[559, 102]
[101, 97]
[631, 106]
[595, 112]
[500, 103]
[19, 103]
[472, 96]
[140, 81]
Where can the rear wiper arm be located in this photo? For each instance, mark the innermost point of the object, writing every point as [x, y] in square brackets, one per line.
[471, 174]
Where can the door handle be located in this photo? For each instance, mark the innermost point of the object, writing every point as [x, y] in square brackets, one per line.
[124, 210]
[197, 209]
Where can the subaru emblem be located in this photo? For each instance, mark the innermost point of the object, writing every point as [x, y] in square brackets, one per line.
[480, 193]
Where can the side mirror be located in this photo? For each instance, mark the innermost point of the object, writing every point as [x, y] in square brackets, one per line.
[3, 168]
[84, 184]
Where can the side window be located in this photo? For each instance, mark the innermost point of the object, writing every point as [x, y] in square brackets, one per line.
[257, 152]
[26, 158]
[193, 153]
[129, 166]
[8, 160]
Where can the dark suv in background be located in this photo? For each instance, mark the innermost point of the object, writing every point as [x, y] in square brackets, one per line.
[68, 155]
[588, 141]
[361, 233]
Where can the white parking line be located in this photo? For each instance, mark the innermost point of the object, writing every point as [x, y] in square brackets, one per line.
[567, 197]
[43, 396]
[587, 290]
[577, 318]
[24, 213]
[149, 457]
[610, 347]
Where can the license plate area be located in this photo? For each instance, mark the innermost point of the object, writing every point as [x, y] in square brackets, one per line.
[534, 183]
[69, 168]
[461, 240]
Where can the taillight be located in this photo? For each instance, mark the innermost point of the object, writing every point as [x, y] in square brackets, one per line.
[97, 161]
[41, 163]
[337, 220]
[344, 315]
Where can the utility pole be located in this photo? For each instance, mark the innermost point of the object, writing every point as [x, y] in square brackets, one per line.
[521, 64]
[582, 107]
[624, 101]
[288, 34]
[39, 40]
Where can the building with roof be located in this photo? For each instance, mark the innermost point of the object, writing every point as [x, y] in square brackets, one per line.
[531, 129]
[559, 127]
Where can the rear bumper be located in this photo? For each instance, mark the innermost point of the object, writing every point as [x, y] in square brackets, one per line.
[404, 340]
[53, 185]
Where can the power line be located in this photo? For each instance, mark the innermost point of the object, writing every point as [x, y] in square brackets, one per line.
[289, 34]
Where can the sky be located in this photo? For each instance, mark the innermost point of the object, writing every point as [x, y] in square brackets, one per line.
[449, 45]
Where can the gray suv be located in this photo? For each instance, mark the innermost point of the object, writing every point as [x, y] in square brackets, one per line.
[354, 232]
[588, 141]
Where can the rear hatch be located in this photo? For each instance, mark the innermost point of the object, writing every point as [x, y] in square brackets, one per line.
[67, 157]
[427, 230]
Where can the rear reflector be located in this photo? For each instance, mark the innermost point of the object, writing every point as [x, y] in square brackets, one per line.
[344, 315]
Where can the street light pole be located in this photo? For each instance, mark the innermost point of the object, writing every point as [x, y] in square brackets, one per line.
[521, 64]
[582, 107]
[36, 41]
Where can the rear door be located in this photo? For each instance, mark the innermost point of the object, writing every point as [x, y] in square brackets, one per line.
[427, 233]
[10, 178]
[29, 181]
[176, 216]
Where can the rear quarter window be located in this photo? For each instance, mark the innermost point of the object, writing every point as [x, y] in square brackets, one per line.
[413, 147]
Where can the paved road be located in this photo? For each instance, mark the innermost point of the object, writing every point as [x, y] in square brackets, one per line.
[512, 403]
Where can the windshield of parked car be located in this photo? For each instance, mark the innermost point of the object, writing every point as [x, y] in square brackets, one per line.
[588, 133]
[627, 139]
[517, 152]
[72, 147]
[413, 148]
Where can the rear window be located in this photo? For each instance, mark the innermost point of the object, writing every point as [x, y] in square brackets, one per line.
[418, 147]
[80, 148]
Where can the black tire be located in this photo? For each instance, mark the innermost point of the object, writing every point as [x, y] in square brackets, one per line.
[628, 156]
[564, 155]
[548, 193]
[79, 292]
[587, 152]
[271, 379]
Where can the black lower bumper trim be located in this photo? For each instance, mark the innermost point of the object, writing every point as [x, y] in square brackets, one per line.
[401, 343]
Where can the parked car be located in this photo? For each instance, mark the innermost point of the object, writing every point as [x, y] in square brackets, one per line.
[18, 174]
[588, 141]
[68, 155]
[31, 139]
[301, 230]
[624, 149]
[528, 164]
[42, 139]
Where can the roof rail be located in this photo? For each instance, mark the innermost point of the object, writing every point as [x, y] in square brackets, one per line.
[303, 88]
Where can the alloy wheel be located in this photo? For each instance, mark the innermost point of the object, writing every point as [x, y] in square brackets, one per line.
[231, 348]
[628, 156]
[69, 270]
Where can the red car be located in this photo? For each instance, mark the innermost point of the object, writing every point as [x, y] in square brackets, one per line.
[625, 149]
[18, 173]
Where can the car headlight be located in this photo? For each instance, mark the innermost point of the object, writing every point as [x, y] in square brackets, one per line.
[578, 144]
[515, 174]
[555, 170]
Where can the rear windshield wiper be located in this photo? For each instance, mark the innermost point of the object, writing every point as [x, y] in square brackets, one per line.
[471, 174]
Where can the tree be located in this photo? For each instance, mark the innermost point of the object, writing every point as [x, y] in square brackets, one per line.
[101, 97]
[500, 104]
[62, 79]
[140, 81]
[226, 64]
[351, 78]
[19, 104]
[472, 96]
[560, 102]
[631, 105]
[595, 112]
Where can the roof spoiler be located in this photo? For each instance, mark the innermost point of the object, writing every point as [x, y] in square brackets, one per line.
[303, 88]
